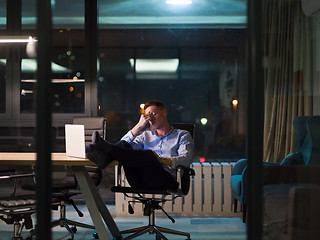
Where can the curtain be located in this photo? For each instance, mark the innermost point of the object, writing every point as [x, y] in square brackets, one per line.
[287, 74]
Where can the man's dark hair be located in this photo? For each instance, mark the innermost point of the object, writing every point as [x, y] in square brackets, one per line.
[156, 103]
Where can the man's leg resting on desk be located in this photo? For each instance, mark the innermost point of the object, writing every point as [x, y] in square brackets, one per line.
[142, 168]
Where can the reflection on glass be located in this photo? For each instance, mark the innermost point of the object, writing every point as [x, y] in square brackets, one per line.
[3, 85]
[65, 14]
[67, 82]
[291, 75]
[204, 13]
[3, 14]
[201, 84]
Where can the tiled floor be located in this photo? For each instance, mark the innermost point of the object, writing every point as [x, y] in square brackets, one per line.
[206, 228]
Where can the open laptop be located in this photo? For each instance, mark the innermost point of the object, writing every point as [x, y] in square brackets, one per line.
[75, 141]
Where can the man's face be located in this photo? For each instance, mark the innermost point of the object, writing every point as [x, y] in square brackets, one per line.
[156, 116]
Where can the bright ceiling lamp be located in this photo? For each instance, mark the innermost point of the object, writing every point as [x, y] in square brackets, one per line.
[180, 2]
[16, 39]
[156, 65]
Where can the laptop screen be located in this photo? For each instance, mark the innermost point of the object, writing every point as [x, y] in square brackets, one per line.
[75, 143]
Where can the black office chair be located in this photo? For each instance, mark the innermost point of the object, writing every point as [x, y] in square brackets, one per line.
[16, 208]
[153, 199]
[64, 184]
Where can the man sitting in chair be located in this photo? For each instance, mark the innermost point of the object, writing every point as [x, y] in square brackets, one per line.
[149, 155]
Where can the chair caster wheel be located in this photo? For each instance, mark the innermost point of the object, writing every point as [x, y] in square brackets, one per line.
[74, 229]
[95, 235]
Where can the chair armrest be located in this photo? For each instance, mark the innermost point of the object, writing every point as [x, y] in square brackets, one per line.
[240, 166]
[183, 178]
[286, 174]
[15, 176]
[271, 164]
[119, 182]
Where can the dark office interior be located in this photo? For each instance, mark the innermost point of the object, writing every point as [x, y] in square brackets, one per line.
[245, 73]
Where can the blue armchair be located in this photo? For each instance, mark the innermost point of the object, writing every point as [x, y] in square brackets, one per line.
[307, 131]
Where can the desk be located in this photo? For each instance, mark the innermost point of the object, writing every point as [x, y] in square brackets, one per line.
[97, 209]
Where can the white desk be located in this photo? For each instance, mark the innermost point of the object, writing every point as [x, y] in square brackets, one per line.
[97, 209]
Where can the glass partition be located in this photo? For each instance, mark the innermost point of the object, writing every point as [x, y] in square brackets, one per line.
[3, 83]
[197, 85]
[68, 84]
[3, 14]
[291, 126]
[191, 57]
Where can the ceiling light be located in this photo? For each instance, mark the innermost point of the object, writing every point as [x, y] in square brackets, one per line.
[176, 2]
[155, 65]
[16, 39]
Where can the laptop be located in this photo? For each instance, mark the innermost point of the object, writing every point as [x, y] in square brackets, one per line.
[75, 141]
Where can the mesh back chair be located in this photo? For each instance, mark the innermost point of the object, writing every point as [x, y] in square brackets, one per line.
[153, 199]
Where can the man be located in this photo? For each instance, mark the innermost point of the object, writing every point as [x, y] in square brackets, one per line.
[149, 155]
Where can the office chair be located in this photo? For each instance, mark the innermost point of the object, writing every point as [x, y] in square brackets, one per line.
[64, 184]
[16, 208]
[154, 199]
[67, 188]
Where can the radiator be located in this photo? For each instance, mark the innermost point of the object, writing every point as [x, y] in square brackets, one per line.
[210, 192]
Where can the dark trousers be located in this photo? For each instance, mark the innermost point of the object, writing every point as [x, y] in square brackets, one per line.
[142, 168]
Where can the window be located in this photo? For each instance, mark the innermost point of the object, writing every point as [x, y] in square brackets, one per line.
[197, 84]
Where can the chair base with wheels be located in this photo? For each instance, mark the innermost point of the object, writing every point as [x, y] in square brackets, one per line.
[149, 206]
[152, 203]
[64, 222]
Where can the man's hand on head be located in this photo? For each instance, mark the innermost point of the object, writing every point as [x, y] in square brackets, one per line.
[143, 122]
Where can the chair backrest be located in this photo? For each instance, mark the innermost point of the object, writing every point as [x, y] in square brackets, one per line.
[311, 146]
[92, 124]
[300, 130]
[185, 126]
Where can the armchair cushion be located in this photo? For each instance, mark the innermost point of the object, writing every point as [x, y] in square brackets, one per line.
[236, 183]
[240, 166]
[293, 159]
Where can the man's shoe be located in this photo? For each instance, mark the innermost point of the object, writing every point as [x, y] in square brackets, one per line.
[100, 144]
[99, 158]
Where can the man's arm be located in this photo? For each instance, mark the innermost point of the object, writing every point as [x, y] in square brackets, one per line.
[143, 122]
[133, 136]
[184, 153]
